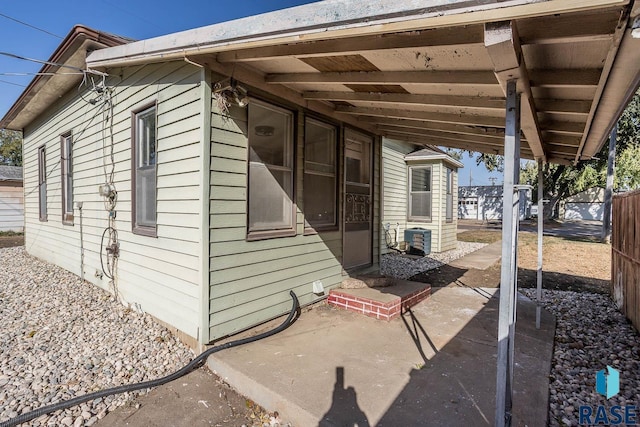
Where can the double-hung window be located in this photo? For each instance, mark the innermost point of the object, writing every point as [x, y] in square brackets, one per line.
[144, 171]
[42, 183]
[420, 193]
[66, 168]
[271, 208]
[320, 147]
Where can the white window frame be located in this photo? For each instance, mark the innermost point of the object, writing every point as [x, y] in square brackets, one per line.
[410, 192]
[140, 164]
[309, 170]
[66, 176]
[265, 231]
[449, 194]
[42, 183]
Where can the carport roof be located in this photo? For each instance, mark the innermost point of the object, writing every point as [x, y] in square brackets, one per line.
[432, 72]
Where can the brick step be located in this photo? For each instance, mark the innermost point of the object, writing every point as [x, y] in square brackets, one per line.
[385, 303]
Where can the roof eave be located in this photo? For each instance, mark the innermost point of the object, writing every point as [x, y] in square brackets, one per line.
[625, 76]
[75, 40]
[297, 24]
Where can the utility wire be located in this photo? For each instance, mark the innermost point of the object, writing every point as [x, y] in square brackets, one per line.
[56, 64]
[42, 74]
[30, 26]
[11, 83]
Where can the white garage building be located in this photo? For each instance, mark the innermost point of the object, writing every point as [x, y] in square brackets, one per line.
[484, 202]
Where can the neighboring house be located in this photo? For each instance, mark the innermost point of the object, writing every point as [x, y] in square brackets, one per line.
[11, 199]
[203, 175]
[586, 205]
[419, 191]
[484, 202]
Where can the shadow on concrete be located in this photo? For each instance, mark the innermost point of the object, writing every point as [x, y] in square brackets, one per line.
[344, 410]
[415, 330]
[456, 384]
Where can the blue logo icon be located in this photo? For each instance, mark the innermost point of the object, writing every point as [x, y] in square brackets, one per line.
[608, 385]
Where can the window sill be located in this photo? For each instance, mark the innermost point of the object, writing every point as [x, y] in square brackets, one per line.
[145, 231]
[425, 220]
[309, 231]
[269, 234]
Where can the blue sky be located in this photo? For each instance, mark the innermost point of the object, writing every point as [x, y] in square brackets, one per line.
[138, 19]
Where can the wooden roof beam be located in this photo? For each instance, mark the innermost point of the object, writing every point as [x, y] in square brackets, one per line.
[496, 132]
[473, 78]
[465, 119]
[483, 102]
[356, 45]
[503, 45]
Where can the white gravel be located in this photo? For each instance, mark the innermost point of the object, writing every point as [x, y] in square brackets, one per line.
[403, 267]
[61, 338]
[590, 334]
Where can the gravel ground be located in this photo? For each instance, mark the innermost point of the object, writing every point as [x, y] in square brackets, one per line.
[590, 334]
[61, 338]
[403, 267]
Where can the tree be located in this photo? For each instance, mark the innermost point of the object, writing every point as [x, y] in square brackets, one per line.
[10, 148]
[561, 181]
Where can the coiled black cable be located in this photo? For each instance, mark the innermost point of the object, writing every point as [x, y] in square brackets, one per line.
[194, 364]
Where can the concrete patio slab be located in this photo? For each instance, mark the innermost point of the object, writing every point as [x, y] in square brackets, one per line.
[433, 366]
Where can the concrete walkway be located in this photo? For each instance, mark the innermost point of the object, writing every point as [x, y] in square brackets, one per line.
[434, 366]
[481, 259]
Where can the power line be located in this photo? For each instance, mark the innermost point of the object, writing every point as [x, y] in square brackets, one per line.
[56, 64]
[11, 83]
[30, 26]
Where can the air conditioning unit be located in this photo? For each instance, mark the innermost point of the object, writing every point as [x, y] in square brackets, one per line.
[418, 241]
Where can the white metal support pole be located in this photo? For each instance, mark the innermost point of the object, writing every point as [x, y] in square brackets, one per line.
[506, 317]
[540, 234]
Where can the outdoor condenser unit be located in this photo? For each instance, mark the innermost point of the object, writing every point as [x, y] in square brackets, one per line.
[418, 241]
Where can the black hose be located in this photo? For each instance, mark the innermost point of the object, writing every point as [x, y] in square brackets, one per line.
[194, 364]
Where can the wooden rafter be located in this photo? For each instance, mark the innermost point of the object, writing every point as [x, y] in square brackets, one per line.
[387, 77]
[356, 45]
[539, 78]
[404, 98]
[467, 119]
[561, 29]
[503, 45]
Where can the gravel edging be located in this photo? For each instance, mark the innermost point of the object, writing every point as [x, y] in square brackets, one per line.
[61, 338]
[590, 334]
[403, 267]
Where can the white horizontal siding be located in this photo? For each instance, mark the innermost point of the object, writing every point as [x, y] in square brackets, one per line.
[250, 281]
[11, 207]
[163, 274]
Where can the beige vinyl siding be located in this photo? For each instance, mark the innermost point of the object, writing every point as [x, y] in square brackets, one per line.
[250, 281]
[158, 275]
[394, 191]
[11, 206]
[448, 234]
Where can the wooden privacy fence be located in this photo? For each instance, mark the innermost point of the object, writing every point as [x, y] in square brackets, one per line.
[625, 262]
